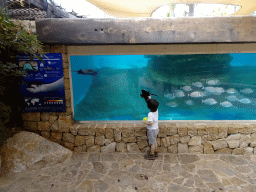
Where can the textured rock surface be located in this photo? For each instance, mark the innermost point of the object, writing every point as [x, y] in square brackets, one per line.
[27, 151]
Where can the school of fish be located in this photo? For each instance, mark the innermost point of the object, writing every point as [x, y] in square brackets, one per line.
[210, 94]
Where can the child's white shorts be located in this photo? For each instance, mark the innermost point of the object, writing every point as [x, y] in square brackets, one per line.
[152, 134]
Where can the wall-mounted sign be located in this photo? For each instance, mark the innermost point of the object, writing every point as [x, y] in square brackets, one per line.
[43, 90]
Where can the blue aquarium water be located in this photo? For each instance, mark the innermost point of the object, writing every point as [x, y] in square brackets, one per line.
[188, 87]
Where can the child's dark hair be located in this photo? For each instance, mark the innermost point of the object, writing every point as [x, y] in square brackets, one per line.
[152, 104]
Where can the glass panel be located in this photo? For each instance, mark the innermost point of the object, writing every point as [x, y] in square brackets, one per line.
[188, 87]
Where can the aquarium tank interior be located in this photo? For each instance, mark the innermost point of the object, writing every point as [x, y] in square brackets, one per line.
[187, 87]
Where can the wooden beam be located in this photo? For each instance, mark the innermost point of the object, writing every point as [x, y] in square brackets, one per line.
[147, 30]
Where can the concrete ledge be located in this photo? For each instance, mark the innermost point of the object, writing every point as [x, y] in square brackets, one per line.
[147, 30]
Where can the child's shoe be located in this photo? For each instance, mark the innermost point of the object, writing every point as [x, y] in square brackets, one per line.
[156, 153]
[150, 156]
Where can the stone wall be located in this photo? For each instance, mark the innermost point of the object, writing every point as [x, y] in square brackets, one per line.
[207, 138]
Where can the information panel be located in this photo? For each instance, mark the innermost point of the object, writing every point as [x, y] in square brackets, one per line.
[43, 90]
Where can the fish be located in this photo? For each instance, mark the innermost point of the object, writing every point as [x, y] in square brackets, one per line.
[209, 89]
[197, 84]
[169, 96]
[209, 101]
[196, 94]
[187, 88]
[231, 91]
[232, 98]
[226, 104]
[179, 94]
[218, 90]
[245, 101]
[247, 91]
[213, 82]
[189, 102]
[172, 104]
[86, 72]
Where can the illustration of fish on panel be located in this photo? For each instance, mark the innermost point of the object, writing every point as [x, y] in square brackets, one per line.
[232, 98]
[218, 90]
[169, 96]
[186, 88]
[179, 94]
[189, 102]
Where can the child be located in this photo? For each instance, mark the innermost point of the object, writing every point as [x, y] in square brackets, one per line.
[152, 127]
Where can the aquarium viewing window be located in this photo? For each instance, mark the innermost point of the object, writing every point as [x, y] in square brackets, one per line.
[195, 86]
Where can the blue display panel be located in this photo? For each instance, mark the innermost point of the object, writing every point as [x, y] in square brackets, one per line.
[43, 90]
[188, 87]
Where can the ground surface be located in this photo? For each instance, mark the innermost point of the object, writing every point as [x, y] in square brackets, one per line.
[113, 172]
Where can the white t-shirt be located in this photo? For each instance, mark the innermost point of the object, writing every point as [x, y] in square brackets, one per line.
[153, 116]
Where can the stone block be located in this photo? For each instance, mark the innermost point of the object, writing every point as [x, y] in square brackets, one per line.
[81, 148]
[158, 142]
[31, 126]
[233, 144]
[224, 151]
[59, 49]
[86, 129]
[173, 149]
[127, 132]
[45, 134]
[111, 148]
[43, 126]
[89, 140]
[129, 139]
[99, 140]
[80, 140]
[223, 132]
[109, 133]
[117, 135]
[54, 126]
[234, 137]
[162, 150]
[95, 148]
[233, 130]
[202, 131]
[65, 122]
[172, 129]
[165, 142]
[213, 132]
[73, 130]
[196, 149]
[45, 116]
[68, 137]
[183, 148]
[162, 130]
[174, 139]
[142, 144]
[244, 142]
[196, 140]
[238, 151]
[30, 116]
[65, 65]
[245, 129]
[185, 139]
[219, 144]
[53, 118]
[182, 131]
[205, 139]
[56, 136]
[132, 147]
[192, 131]
[68, 145]
[248, 151]
[253, 144]
[208, 149]
[100, 130]
[108, 141]
[143, 138]
[66, 83]
[120, 147]
[141, 131]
